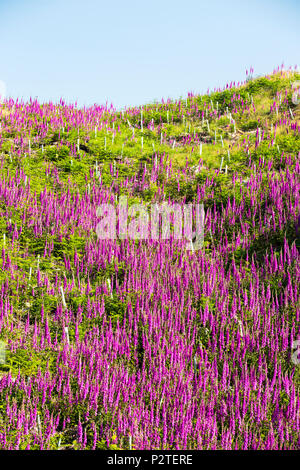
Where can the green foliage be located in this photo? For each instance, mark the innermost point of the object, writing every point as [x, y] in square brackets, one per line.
[115, 308]
[30, 361]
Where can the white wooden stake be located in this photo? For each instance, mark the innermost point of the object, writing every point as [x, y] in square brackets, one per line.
[109, 288]
[195, 365]
[39, 424]
[67, 334]
[221, 163]
[241, 328]
[63, 297]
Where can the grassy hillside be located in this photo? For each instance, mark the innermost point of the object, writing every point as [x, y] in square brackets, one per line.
[143, 344]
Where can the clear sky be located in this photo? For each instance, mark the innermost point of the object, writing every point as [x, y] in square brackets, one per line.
[133, 52]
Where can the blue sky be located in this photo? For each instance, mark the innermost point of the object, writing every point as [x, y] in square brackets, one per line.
[134, 52]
